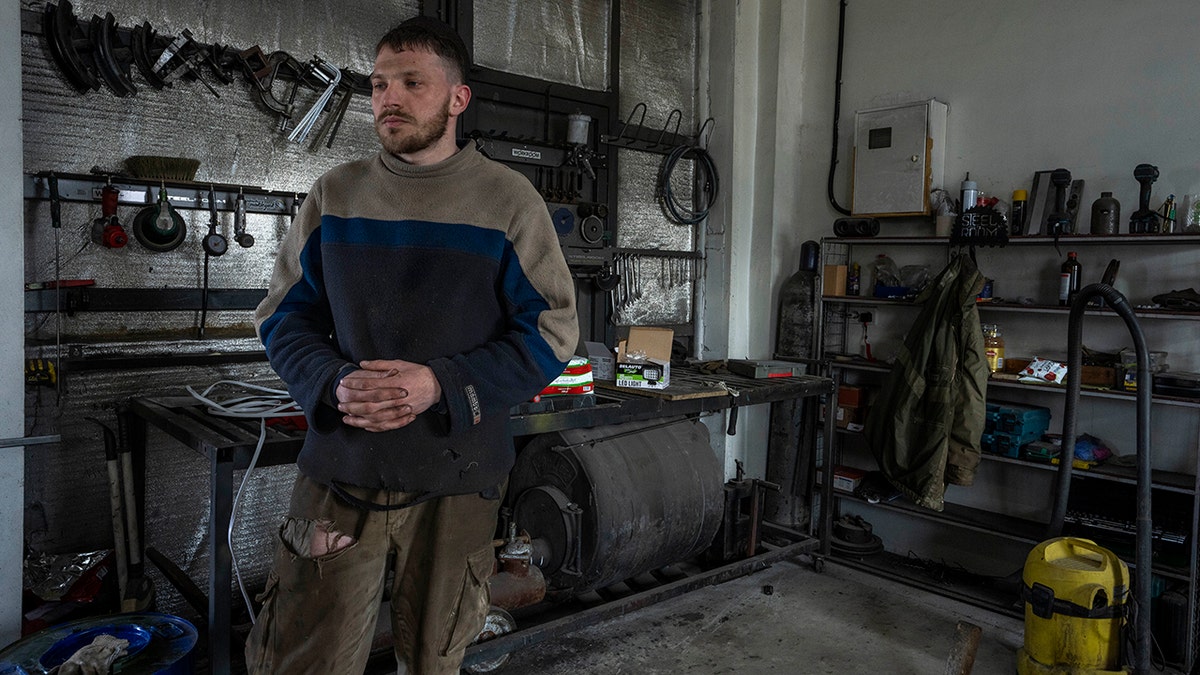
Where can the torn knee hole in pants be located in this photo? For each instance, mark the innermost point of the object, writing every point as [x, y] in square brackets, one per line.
[314, 538]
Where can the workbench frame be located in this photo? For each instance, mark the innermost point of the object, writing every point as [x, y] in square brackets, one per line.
[229, 444]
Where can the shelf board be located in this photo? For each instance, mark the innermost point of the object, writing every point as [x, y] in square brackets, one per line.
[1163, 480]
[1033, 240]
[966, 517]
[987, 522]
[1095, 393]
[867, 300]
[1141, 313]
[995, 596]
[1171, 481]
[856, 364]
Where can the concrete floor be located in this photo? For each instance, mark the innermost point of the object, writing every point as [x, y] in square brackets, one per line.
[837, 621]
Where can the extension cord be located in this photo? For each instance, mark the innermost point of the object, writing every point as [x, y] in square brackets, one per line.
[269, 403]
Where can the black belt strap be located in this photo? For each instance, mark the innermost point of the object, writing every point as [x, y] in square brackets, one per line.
[1044, 605]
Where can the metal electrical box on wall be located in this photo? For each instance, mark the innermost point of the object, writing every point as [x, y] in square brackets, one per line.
[899, 155]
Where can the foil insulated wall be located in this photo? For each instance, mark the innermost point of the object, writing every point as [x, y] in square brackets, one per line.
[238, 141]
[658, 68]
[567, 42]
[550, 40]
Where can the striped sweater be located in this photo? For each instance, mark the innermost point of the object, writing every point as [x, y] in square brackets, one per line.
[455, 265]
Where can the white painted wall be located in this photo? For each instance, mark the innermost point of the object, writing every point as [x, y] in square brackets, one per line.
[12, 309]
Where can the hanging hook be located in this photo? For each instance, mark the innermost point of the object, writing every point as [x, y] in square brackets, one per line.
[709, 124]
[678, 115]
[641, 120]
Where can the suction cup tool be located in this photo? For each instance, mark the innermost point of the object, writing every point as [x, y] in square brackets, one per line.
[159, 227]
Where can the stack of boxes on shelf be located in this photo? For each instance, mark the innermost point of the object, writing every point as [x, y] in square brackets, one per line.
[851, 411]
[1009, 427]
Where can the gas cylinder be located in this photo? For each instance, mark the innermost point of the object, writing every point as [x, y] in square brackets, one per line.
[1075, 594]
[797, 306]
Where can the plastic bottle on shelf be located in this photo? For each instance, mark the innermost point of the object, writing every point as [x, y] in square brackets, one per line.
[853, 281]
[993, 347]
[968, 192]
[1068, 279]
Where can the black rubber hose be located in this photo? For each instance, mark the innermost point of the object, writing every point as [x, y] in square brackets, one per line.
[837, 108]
[1142, 581]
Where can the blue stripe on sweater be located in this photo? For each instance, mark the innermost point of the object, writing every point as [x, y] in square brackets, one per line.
[413, 233]
[531, 304]
[517, 289]
[303, 293]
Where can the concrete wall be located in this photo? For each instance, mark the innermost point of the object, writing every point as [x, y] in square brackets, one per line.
[12, 406]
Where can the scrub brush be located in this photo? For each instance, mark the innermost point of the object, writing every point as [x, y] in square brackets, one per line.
[162, 168]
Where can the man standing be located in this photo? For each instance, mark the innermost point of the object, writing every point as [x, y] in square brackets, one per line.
[417, 297]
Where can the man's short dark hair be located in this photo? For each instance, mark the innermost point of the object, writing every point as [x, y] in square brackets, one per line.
[426, 32]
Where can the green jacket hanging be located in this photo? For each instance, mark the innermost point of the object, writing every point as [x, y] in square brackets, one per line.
[925, 425]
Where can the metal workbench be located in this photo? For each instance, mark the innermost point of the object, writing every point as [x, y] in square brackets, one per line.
[229, 444]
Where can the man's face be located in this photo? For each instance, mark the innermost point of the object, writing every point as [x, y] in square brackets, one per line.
[413, 101]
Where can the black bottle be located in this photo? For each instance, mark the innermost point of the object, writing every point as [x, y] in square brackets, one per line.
[1068, 284]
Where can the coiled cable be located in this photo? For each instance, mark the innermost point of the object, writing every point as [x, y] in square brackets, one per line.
[707, 183]
[266, 404]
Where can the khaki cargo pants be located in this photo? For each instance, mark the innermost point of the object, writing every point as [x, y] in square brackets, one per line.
[324, 591]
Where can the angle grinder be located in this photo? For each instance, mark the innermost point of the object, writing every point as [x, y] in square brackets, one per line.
[159, 227]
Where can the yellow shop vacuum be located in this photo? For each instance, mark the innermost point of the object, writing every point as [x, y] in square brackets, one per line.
[1075, 596]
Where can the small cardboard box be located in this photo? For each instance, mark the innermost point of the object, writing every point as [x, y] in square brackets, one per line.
[853, 397]
[847, 478]
[602, 360]
[833, 282]
[644, 359]
[850, 418]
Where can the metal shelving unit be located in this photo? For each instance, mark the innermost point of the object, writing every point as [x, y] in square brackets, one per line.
[834, 317]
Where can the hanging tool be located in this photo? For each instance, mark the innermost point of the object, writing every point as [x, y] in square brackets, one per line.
[55, 203]
[159, 227]
[243, 238]
[182, 57]
[214, 243]
[108, 48]
[65, 36]
[1144, 220]
[141, 41]
[332, 76]
[107, 230]
[263, 70]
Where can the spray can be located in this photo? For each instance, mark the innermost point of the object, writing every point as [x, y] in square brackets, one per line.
[1016, 224]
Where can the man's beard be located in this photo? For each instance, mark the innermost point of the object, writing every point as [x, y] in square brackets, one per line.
[415, 136]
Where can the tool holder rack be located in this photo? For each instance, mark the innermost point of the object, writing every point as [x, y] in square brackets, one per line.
[144, 192]
[661, 141]
[139, 192]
